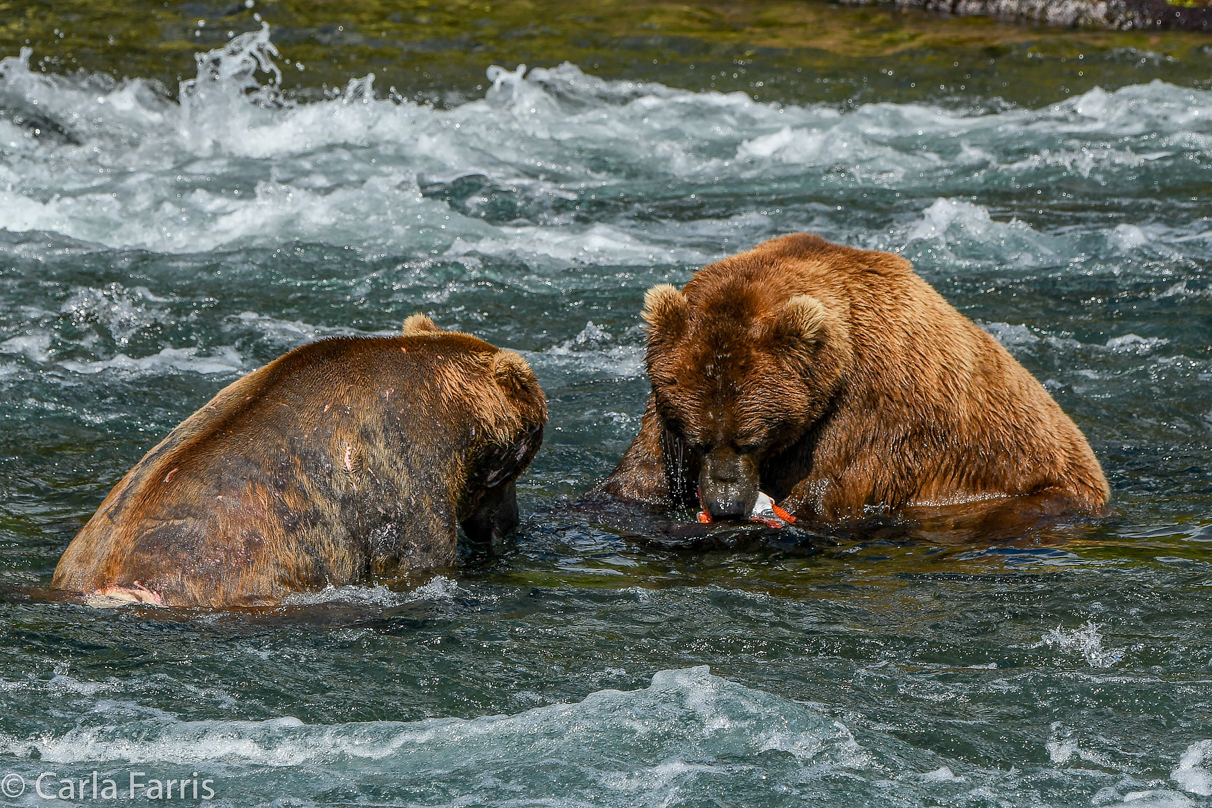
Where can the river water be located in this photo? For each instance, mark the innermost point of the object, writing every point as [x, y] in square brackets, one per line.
[152, 250]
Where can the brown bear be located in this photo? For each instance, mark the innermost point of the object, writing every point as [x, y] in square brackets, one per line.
[345, 460]
[843, 385]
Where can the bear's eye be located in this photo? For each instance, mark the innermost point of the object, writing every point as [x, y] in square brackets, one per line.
[675, 429]
[680, 434]
[748, 447]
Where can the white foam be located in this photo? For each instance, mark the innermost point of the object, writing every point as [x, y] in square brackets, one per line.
[1064, 751]
[169, 360]
[122, 312]
[684, 719]
[1181, 290]
[966, 230]
[368, 595]
[35, 346]
[1085, 640]
[592, 350]
[1128, 237]
[1192, 773]
[1083, 162]
[63, 684]
[1156, 798]
[623, 361]
[838, 147]
[591, 333]
[1133, 343]
[437, 588]
[1010, 336]
[1136, 109]
[235, 163]
[596, 244]
[294, 332]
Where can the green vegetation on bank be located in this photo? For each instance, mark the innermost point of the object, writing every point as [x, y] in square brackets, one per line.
[808, 50]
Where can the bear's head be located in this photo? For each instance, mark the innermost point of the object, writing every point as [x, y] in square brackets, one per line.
[492, 390]
[740, 374]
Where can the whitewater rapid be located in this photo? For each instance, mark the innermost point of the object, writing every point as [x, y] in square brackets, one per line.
[232, 163]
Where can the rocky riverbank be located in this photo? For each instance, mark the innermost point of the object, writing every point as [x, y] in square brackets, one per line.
[1121, 15]
[772, 51]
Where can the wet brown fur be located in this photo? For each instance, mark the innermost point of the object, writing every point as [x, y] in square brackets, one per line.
[342, 461]
[845, 386]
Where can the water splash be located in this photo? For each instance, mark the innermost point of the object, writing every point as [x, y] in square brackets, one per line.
[1086, 641]
[226, 94]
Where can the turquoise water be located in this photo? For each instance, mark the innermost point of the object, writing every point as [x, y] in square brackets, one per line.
[152, 251]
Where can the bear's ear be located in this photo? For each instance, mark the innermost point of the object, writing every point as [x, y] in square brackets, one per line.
[511, 371]
[665, 310]
[418, 324]
[801, 322]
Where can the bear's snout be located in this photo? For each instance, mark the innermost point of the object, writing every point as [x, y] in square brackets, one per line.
[728, 484]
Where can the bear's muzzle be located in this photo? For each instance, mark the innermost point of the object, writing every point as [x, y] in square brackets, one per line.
[728, 484]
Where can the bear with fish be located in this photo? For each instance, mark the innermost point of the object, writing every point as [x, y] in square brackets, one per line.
[839, 384]
[798, 381]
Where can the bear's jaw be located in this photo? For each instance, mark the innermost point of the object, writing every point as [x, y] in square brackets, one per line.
[728, 483]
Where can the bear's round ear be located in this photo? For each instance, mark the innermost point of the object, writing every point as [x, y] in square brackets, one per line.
[665, 309]
[802, 321]
[418, 324]
[511, 371]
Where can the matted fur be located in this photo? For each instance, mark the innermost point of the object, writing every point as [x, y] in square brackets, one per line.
[841, 383]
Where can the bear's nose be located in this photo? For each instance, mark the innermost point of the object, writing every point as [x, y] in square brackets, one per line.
[727, 496]
[724, 507]
[727, 484]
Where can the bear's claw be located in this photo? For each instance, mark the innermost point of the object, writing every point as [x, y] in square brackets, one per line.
[121, 595]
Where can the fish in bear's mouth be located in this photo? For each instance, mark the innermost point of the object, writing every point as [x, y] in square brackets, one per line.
[764, 511]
